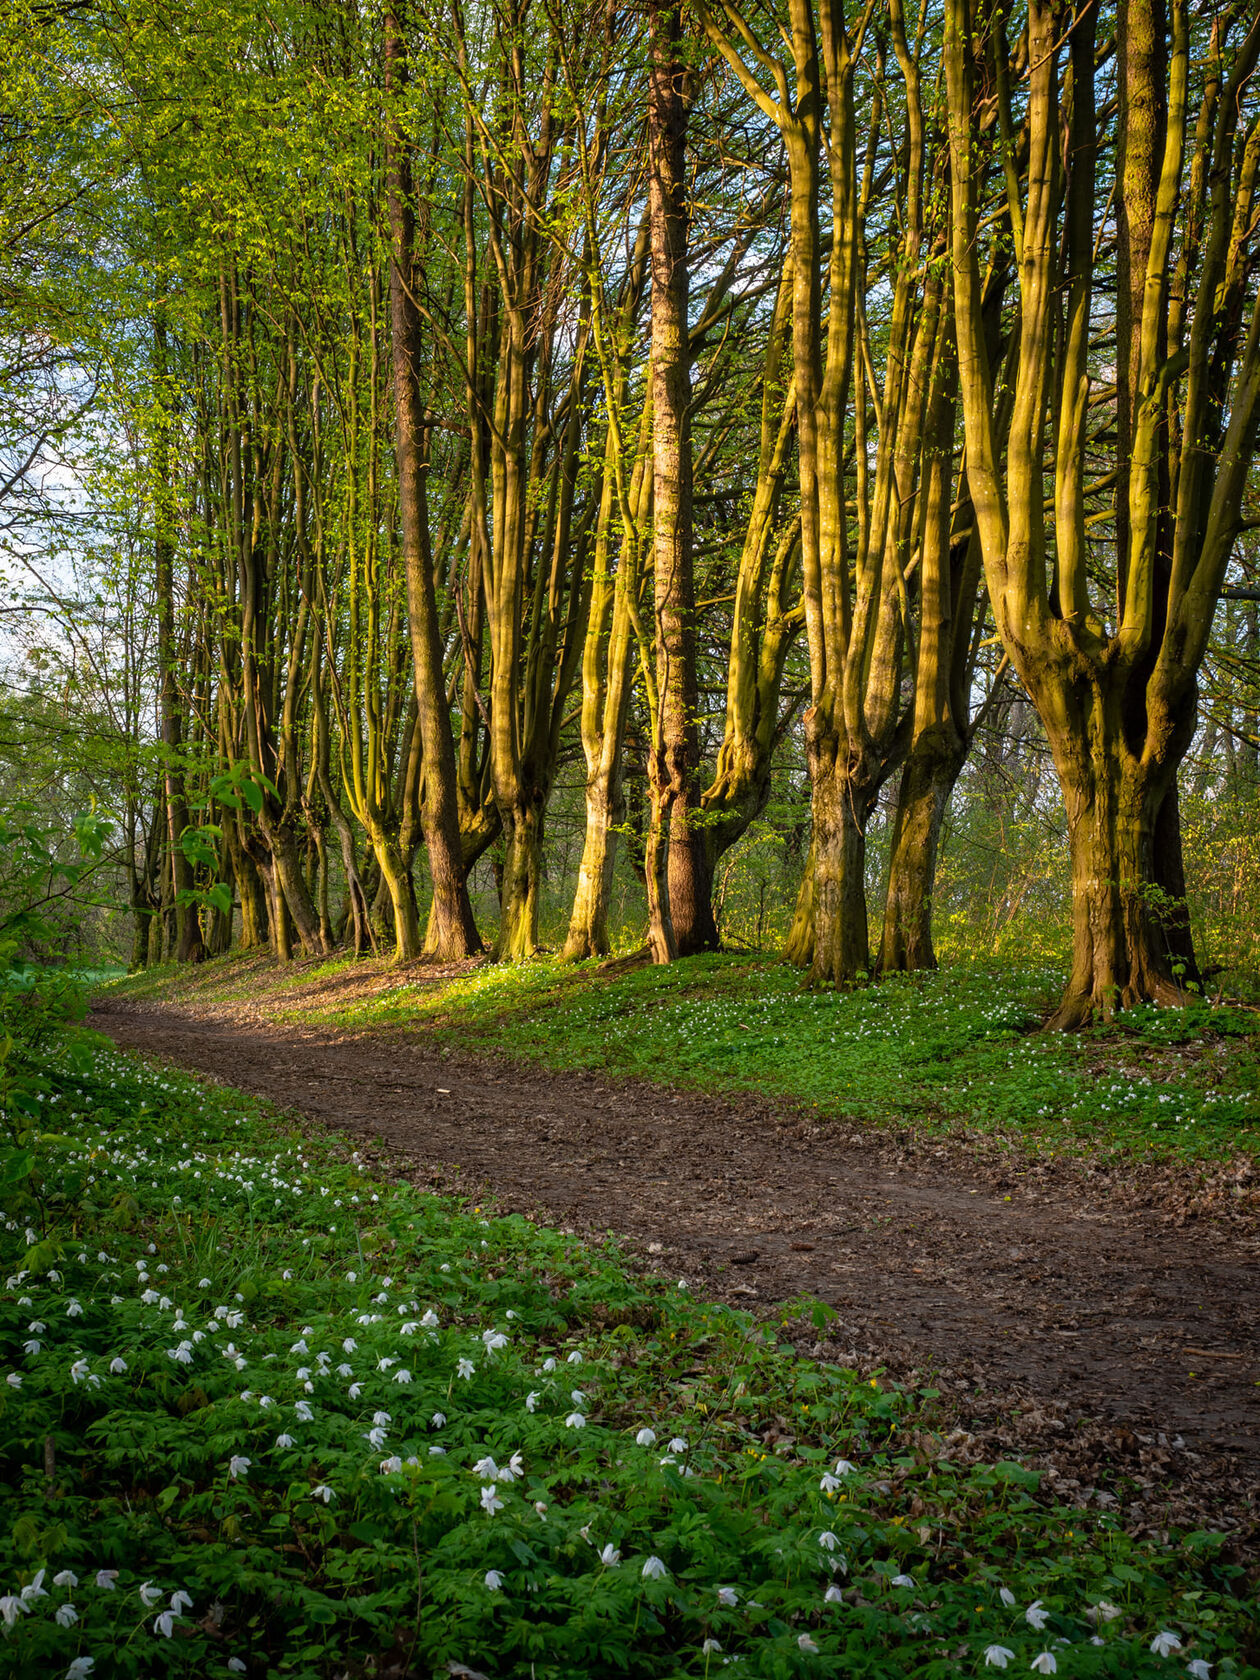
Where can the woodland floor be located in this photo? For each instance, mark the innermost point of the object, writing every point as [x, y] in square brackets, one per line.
[1108, 1333]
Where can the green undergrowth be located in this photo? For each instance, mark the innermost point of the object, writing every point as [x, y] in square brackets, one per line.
[954, 1052]
[264, 1413]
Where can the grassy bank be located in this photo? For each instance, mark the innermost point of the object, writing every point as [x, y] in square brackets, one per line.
[951, 1052]
[262, 1413]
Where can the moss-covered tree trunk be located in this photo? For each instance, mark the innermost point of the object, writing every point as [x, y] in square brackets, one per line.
[841, 806]
[927, 780]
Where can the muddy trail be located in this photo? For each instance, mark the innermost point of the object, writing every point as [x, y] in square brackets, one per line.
[1082, 1331]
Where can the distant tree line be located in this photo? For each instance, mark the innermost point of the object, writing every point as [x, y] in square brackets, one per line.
[459, 392]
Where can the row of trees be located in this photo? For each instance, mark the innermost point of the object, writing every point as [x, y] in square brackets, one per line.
[698, 385]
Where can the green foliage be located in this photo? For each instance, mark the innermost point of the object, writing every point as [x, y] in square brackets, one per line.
[40, 866]
[264, 1413]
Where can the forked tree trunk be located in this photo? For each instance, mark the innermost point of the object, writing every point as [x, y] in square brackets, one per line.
[608, 665]
[1121, 951]
[927, 780]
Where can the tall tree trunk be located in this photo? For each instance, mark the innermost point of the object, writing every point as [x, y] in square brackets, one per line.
[188, 941]
[319, 840]
[607, 664]
[950, 574]
[454, 931]
[682, 914]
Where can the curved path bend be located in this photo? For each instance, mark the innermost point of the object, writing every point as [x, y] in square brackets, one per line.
[1106, 1344]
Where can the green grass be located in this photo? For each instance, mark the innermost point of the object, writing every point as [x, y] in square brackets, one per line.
[954, 1052]
[204, 1318]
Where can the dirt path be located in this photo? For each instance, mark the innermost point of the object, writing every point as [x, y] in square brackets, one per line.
[1119, 1352]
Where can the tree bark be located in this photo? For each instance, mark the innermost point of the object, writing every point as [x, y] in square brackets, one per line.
[799, 946]
[250, 889]
[1121, 952]
[927, 780]
[453, 929]
[396, 877]
[841, 935]
[679, 872]
[607, 667]
[189, 946]
[520, 885]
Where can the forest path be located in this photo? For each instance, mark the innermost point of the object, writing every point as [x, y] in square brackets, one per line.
[1105, 1344]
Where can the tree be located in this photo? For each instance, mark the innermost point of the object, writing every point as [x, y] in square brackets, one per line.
[1115, 689]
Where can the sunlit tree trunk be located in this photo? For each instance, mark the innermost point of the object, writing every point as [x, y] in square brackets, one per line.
[453, 929]
[765, 618]
[679, 877]
[1117, 704]
[607, 671]
[189, 946]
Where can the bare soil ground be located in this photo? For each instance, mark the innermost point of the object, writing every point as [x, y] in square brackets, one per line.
[1094, 1330]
